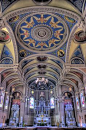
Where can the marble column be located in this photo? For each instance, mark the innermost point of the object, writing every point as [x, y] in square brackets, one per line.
[83, 105]
[77, 108]
[22, 103]
[62, 114]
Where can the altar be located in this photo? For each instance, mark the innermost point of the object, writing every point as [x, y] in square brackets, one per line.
[42, 117]
[42, 120]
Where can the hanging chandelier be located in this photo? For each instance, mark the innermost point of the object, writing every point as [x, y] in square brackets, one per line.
[41, 81]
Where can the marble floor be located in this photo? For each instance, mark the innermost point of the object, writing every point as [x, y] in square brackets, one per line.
[41, 128]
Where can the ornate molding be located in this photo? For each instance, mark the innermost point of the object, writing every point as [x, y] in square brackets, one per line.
[46, 9]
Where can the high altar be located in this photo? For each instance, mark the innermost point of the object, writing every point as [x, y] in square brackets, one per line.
[42, 113]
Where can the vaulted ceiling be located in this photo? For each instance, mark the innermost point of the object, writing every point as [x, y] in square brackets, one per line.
[42, 39]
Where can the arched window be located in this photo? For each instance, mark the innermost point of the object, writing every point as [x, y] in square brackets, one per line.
[32, 102]
[52, 103]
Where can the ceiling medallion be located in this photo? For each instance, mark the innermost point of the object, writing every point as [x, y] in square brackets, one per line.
[42, 32]
[4, 36]
[22, 53]
[60, 53]
[80, 36]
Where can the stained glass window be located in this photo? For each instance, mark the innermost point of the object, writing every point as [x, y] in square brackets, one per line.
[82, 99]
[85, 88]
[1, 97]
[6, 101]
[77, 102]
[31, 102]
[52, 104]
[26, 102]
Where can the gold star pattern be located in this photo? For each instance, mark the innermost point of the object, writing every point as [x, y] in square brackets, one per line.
[42, 19]
[57, 34]
[55, 24]
[42, 44]
[28, 24]
[26, 34]
[52, 41]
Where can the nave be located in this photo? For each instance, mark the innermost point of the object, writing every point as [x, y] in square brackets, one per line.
[42, 64]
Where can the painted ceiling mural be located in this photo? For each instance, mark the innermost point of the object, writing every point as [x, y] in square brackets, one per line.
[42, 32]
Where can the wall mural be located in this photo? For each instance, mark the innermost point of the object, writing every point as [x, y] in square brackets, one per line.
[42, 31]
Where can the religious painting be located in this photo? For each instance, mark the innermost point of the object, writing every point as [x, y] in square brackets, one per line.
[52, 103]
[82, 99]
[77, 103]
[31, 102]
